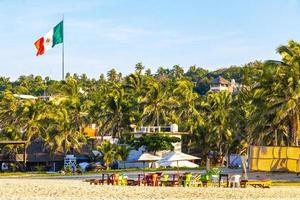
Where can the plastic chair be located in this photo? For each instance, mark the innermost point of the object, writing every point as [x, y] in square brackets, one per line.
[187, 180]
[196, 182]
[114, 179]
[235, 180]
[122, 179]
[147, 179]
[154, 180]
[164, 180]
[214, 175]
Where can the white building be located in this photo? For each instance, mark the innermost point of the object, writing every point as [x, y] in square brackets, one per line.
[221, 84]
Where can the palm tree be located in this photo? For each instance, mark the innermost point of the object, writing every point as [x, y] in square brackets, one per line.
[113, 76]
[218, 108]
[8, 109]
[135, 90]
[114, 111]
[156, 102]
[187, 113]
[31, 118]
[109, 152]
[123, 151]
[139, 68]
[277, 91]
[177, 72]
[5, 83]
[63, 133]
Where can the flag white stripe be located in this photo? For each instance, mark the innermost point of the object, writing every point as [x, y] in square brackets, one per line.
[48, 40]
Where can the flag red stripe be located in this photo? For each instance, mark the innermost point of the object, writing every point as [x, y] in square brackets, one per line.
[39, 45]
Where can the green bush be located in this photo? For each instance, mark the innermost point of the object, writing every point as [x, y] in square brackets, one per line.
[68, 169]
[40, 168]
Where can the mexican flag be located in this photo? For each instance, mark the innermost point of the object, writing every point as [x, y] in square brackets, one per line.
[53, 37]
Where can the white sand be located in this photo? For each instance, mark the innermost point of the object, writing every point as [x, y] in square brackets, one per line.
[56, 189]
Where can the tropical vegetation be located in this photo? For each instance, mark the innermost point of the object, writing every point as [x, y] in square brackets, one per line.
[265, 111]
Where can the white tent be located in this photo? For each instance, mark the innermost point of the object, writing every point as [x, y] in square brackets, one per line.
[183, 163]
[176, 157]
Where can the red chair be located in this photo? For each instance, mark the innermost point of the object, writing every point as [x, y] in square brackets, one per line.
[114, 179]
[148, 180]
[154, 180]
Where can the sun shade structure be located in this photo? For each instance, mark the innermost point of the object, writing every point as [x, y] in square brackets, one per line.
[183, 163]
[147, 157]
[176, 158]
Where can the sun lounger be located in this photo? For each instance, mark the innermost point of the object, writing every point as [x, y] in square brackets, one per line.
[260, 183]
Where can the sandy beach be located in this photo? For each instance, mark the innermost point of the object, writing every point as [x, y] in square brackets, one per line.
[48, 189]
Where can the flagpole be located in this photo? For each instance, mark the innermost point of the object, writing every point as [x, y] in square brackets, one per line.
[63, 52]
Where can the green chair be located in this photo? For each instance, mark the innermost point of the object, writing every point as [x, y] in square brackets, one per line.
[188, 180]
[214, 174]
[122, 179]
[165, 179]
[205, 179]
[215, 171]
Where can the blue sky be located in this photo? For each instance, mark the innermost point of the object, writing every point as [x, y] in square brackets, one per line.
[100, 35]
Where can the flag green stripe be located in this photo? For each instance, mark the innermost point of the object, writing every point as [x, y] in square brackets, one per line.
[58, 34]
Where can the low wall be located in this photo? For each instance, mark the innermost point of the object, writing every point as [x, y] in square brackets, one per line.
[271, 158]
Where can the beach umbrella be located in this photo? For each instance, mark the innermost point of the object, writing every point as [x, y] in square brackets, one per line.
[176, 157]
[147, 157]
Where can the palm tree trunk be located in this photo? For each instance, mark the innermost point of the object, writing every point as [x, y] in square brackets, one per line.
[275, 139]
[244, 168]
[294, 120]
[228, 158]
[297, 128]
[157, 119]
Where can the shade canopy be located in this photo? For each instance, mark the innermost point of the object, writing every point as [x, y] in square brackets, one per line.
[147, 157]
[177, 156]
[183, 163]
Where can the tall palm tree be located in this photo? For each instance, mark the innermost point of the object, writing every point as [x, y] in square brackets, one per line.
[63, 133]
[218, 108]
[31, 118]
[8, 109]
[139, 68]
[278, 91]
[177, 72]
[187, 113]
[157, 103]
[113, 107]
